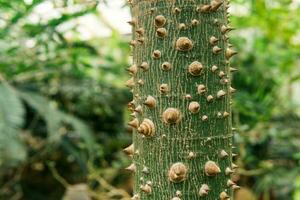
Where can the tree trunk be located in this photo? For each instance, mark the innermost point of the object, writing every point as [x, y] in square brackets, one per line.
[182, 143]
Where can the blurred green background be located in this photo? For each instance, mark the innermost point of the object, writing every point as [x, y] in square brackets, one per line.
[63, 103]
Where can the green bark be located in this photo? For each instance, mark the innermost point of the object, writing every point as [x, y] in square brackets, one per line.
[182, 142]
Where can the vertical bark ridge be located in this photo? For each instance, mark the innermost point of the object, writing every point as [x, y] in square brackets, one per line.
[193, 142]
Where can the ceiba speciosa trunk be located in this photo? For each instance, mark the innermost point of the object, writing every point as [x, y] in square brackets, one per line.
[181, 110]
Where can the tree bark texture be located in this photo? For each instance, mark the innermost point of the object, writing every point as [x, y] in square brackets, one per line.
[182, 141]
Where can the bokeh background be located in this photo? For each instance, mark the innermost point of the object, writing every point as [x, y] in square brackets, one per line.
[63, 102]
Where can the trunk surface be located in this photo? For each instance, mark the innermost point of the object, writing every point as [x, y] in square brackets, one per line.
[182, 142]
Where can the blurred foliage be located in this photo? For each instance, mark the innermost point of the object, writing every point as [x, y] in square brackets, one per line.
[265, 113]
[62, 103]
[62, 107]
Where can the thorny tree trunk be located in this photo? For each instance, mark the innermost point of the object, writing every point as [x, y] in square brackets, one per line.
[182, 143]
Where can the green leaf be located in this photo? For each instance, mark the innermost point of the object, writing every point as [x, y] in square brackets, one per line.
[12, 149]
